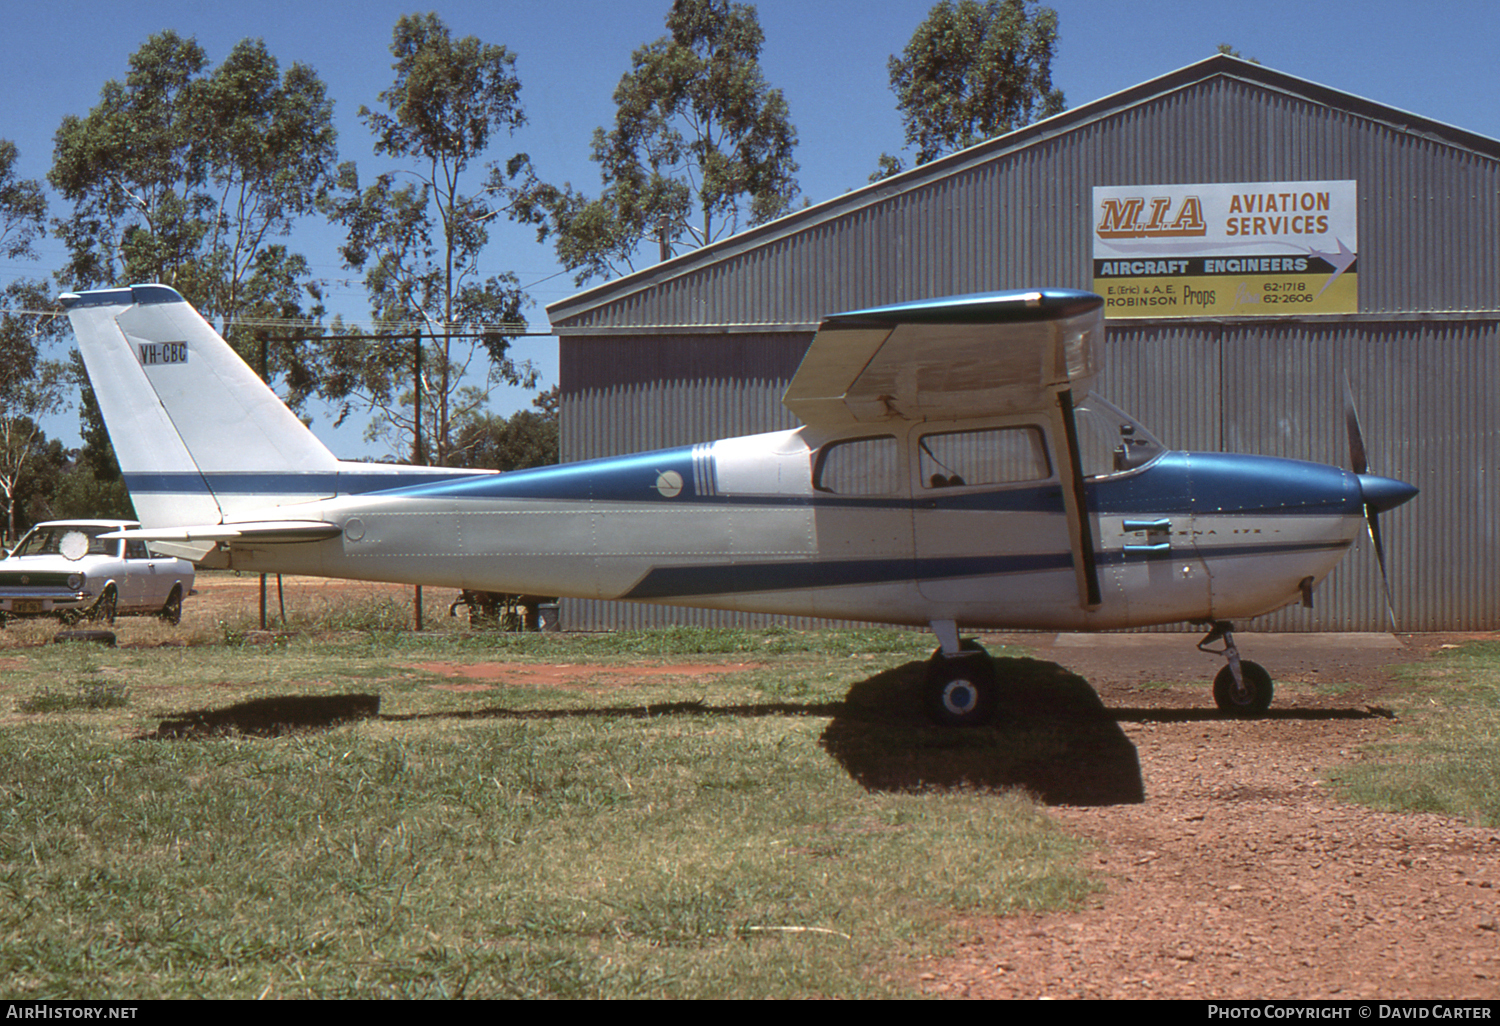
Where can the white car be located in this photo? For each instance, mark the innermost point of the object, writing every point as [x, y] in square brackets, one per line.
[63, 568]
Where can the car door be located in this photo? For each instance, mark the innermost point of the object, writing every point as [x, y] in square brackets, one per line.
[143, 585]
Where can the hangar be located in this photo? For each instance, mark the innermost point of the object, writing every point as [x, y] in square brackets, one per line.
[1258, 238]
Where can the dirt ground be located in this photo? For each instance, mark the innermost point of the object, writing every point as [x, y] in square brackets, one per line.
[1231, 872]
[1238, 875]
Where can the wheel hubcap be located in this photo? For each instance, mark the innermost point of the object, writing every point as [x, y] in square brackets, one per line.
[960, 697]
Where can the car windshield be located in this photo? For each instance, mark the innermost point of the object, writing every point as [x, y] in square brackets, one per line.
[47, 540]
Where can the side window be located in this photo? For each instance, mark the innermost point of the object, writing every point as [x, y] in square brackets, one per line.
[988, 457]
[136, 549]
[861, 466]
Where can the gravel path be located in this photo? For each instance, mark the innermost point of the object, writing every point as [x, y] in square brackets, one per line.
[1239, 875]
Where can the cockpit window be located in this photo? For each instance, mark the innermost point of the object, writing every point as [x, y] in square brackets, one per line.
[861, 466]
[1109, 440]
[987, 457]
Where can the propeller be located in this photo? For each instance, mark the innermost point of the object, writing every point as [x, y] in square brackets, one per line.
[1378, 494]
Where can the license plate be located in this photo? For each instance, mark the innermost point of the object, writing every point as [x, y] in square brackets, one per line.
[26, 606]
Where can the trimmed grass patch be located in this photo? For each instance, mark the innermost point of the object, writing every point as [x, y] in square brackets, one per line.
[662, 836]
[1447, 759]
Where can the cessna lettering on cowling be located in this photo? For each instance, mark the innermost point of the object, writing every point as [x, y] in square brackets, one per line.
[952, 470]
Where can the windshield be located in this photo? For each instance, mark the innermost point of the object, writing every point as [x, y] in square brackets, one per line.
[48, 540]
[1109, 440]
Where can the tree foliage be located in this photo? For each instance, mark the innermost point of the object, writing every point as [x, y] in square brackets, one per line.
[527, 438]
[23, 207]
[701, 147]
[187, 175]
[31, 387]
[22, 442]
[973, 71]
[1229, 51]
[419, 242]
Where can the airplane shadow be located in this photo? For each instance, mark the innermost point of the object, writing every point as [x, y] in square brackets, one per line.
[1051, 737]
[268, 717]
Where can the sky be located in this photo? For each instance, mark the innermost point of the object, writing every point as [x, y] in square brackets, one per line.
[828, 57]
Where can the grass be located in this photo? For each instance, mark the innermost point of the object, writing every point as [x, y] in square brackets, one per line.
[244, 827]
[1446, 758]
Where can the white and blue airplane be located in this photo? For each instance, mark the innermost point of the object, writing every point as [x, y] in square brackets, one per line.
[953, 471]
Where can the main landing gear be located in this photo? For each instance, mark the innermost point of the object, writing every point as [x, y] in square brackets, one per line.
[1241, 688]
[960, 685]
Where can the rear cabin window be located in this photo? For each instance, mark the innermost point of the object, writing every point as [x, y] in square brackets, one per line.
[987, 457]
[860, 466]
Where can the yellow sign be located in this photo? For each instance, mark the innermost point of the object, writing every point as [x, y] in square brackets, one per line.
[1252, 249]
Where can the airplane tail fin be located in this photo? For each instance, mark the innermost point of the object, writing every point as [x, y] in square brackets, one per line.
[198, 435]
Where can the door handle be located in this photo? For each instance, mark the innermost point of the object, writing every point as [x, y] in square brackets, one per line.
[1158, 536]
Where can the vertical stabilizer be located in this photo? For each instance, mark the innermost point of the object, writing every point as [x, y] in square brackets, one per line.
[198, 435]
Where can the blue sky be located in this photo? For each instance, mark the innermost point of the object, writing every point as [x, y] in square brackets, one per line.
[829, 57]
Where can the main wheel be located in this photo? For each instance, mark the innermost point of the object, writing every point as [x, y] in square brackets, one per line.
[171, 612]
[961, 690]
[104, 609]
[1252, 700]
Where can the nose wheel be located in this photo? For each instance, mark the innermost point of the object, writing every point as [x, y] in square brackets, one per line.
[1242, 688]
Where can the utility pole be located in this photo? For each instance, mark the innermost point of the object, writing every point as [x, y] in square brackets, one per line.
[416, 449]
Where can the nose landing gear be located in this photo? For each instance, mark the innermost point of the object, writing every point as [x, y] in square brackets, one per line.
[1242, 688]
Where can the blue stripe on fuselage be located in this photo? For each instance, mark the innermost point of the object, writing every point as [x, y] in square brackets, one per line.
[680, 582]
[1178, 483]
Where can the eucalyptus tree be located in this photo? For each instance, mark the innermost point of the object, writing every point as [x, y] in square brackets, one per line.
[418, 232]
[971, 71]
[190, 176]
[701, 148]
[31, 387]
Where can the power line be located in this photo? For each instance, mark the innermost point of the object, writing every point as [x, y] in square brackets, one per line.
[510, 329]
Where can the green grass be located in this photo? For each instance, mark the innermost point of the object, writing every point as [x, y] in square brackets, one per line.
[609, 835]
[1446, 757]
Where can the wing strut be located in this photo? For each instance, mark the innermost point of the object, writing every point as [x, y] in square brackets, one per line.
[1075, 500]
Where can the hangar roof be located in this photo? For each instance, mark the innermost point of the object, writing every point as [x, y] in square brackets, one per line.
[626, 305]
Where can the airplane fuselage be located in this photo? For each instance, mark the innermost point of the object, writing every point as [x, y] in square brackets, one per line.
[749, 524]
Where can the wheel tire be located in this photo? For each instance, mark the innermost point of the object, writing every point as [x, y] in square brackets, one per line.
[172, 611]
[104, 609]
[960, 691]
[1255, 699]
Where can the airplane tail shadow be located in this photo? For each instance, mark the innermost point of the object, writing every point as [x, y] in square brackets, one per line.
[1051, 737]
[268, 717]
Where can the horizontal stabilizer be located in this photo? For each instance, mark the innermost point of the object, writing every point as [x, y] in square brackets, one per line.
[265, 532]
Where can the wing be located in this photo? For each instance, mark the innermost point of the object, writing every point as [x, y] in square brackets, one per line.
[946, 359]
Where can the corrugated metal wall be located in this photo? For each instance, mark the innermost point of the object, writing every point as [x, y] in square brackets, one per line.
[1425, 392]
[1016, 213]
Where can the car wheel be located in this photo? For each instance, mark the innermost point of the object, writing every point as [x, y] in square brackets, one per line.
[172, 611]
[104, 609]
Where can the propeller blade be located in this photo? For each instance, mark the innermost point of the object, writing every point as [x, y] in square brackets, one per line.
[1358, 458]
[1373, 522]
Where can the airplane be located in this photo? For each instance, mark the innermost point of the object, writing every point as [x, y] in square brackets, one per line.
[953, 470]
